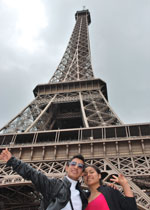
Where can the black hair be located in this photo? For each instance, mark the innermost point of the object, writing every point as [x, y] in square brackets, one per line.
[97, 170]
[79, 156]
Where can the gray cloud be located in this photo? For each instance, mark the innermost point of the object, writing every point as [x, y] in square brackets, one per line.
[120, 48]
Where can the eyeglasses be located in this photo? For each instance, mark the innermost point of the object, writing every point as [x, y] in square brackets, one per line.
[73, 163]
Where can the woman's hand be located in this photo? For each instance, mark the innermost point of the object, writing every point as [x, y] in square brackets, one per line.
[5, 155]
[120, 180]
[124, 183]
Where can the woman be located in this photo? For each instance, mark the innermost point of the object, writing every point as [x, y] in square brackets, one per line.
[102, 197]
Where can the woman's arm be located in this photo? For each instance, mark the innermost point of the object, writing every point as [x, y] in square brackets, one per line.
[124, 183]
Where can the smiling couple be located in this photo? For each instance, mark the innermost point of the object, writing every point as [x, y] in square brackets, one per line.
[67, 194]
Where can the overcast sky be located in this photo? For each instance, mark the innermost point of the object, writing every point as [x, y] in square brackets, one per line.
[34, 35]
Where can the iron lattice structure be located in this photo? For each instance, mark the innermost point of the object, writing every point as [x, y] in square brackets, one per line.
[69, 115]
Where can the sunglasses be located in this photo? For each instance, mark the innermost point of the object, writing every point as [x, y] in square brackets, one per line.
[73, 163]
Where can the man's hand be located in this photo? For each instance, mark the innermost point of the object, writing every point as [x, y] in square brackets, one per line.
[5, 155]
[112, 185]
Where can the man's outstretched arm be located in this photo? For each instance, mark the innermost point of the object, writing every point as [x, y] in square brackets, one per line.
[41, 181]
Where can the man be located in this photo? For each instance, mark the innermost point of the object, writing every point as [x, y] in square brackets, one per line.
[65, 194]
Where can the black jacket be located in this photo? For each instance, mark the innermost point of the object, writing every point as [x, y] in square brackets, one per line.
[115, 200]
[55, 192]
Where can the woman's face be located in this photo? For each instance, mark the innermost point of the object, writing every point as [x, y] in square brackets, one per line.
[91, 177]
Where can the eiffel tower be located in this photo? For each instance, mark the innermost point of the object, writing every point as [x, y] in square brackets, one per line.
[69, 115]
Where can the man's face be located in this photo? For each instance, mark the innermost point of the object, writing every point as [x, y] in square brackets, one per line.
[75, 169]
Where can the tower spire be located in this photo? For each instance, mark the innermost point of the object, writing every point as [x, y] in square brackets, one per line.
[76, 61]
[84, 7]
